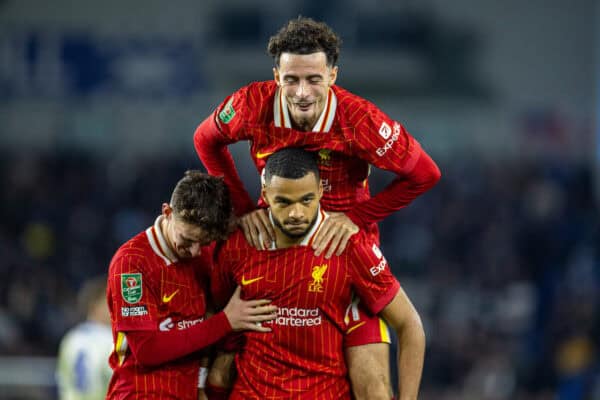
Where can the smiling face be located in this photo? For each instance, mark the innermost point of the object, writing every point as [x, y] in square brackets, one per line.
[305, 80]
[294, 205]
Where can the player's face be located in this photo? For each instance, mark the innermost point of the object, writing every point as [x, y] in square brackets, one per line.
[294, 203]
[184, 239]
[305, 80]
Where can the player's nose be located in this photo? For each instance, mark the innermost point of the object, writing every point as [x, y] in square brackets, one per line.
[296, 212]
[301, 90]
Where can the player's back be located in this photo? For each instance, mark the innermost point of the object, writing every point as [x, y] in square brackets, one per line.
[83, 371]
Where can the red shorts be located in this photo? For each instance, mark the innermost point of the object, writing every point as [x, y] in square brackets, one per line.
[363, 327]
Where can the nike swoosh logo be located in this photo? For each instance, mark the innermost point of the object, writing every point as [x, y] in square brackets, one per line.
[249, 281]
[168, 298]
[263, 155]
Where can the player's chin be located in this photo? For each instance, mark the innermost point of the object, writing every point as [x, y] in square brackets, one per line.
[296, 230]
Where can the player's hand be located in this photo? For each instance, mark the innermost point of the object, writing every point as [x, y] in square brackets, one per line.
[202, 394]
[334, 234]
[256, 224]
[248, 314]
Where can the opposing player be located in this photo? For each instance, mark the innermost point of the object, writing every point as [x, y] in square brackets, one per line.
[303, 356]
[157, 296]
[82, 371]
[302, 106]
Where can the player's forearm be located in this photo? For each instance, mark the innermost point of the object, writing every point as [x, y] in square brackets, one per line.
[411, 352]
[398, 194]
[212, 150]
[152, 348]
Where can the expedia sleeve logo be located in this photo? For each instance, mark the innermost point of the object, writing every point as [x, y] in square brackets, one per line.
[131, 287]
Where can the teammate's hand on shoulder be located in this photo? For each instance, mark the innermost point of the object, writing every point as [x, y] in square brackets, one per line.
[334, 234]
[256, 225]
[248, 314]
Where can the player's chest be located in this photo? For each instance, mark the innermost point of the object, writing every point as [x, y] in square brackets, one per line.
[296, 277]
[180, 292]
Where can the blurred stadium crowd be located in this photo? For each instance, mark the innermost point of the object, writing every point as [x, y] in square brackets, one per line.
[501, 261]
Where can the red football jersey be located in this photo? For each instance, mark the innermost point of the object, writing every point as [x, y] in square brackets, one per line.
[350, 134]
[302, 357]
[149, 289]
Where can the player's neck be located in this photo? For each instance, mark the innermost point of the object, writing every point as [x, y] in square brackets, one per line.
[164, 224]
[283, 241]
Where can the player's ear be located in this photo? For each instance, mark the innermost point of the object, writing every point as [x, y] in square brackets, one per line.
[333, 71]
[166, 210]
[263, 194]
[320, 189]
[276, 75]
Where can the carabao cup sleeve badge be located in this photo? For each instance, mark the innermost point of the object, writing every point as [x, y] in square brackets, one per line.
[131, 287]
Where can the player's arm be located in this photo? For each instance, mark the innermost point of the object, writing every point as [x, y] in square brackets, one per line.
[404, 319]
[381, 293]
[386, 144]
[211, 139]
[156, 347]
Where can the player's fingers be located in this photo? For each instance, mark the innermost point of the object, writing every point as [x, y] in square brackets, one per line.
[263, 310]
[256, 327]
[255, 229]
[322, 239]
[325, 241]
[262, 318]
[252, 232]
[333, 243]
[343, 243]
[257, 303]
[245, 228]
[266, 223]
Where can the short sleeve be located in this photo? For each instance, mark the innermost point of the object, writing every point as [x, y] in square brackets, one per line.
[372, 279]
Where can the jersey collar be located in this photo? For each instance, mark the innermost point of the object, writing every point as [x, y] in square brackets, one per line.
[159, 243]
[307, 241]
[282, 116]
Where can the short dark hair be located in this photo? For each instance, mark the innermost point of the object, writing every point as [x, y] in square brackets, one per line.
[203, 200]
[291, 163]
[305, 36]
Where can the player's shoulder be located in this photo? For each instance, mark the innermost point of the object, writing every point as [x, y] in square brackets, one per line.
[255, 94]
[235, 246]
[353, 110]
[363, 243]
[249, 104]
[134, 252]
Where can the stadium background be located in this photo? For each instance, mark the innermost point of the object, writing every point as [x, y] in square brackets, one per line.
[99, 101]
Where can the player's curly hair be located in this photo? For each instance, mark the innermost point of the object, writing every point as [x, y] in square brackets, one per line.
[203, 200]
[305, 36]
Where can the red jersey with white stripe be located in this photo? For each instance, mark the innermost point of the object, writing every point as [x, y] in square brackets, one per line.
[350, 134]
[302, 357]
[150, 289]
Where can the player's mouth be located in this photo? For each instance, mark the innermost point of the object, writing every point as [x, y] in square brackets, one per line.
[296, 225]
[302, 106]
